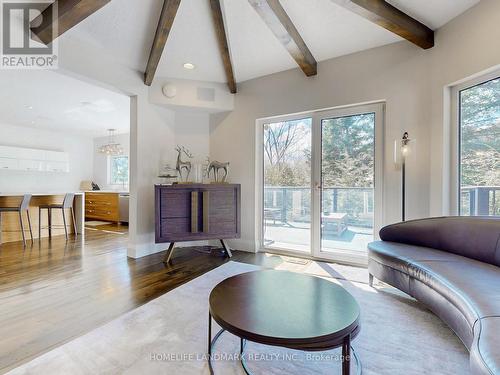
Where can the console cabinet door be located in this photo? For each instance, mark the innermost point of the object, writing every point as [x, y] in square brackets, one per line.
[175, 214]
[197, 212]
[222, 212]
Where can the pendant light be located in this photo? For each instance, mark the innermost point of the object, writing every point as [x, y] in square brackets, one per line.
[112, 147]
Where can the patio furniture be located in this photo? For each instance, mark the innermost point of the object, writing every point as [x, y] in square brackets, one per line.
[272, 214]
[338, 220]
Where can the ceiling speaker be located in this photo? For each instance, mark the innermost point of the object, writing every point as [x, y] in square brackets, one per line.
[169, 90]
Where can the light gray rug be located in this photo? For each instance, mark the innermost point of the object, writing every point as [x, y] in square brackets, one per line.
[169, 336]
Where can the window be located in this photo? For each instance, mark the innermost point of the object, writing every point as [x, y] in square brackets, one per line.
[118, 170]
[479, 149]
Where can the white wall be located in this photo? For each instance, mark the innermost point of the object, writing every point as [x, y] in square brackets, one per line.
[410, 80]
[192, 130]
[80, 160]
[101, 163]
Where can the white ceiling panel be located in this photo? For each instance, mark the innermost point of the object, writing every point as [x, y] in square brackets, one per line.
[125, 29]
[48, 100]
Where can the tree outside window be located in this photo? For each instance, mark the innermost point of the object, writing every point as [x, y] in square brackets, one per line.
[119, 170]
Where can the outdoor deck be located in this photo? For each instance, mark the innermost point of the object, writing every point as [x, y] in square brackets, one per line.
[297, 236]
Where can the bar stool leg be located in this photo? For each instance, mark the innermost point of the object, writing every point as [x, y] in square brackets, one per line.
[74, 221]
[22, 227]
[39, 224]
[64, 222]
[49, 213]
[29, 223]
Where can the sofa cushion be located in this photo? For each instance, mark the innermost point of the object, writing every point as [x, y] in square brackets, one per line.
[472, 286]
[467, 283]
[401, 256]
[473, 237]
[485, 353]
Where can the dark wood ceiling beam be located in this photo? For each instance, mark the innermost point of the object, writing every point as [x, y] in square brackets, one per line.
[223, 44]
[391, 18]
[68, 13]
[165, 23]
[283, 28]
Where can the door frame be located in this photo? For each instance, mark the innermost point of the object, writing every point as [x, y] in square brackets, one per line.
[377, 107]
[378, 194]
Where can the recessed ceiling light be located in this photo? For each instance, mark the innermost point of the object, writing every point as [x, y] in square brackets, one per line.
[188, 66]
[29, 106]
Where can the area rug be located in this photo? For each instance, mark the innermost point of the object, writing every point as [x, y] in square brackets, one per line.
[96, 223]
[169, 336]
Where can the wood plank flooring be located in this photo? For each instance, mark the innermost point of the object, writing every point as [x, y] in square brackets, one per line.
[56, 290]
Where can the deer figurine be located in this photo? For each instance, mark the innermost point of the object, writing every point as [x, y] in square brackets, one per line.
[180, 165]
[215, 166]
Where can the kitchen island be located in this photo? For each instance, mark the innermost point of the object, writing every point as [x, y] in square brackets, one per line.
[9, 222]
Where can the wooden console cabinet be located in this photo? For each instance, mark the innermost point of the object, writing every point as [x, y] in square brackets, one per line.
[192, 212]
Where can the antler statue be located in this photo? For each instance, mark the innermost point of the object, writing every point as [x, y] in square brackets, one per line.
[215, 166]
[180, 164]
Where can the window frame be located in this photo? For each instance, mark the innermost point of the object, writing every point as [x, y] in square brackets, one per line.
[110, 170]
[455, 132]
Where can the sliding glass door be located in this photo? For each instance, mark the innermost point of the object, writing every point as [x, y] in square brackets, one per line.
[347, 182]
[322, 177]
[287, 185]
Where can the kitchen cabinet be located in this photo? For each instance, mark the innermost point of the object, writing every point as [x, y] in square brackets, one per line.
[102, 206]
[33, 160]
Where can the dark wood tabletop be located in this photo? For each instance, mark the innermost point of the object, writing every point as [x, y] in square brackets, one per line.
[285, 309]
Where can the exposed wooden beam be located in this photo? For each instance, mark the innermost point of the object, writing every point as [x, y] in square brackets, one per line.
[167, 17]
[391, 18]
[283, 28]
[223, 45]
[68, 13]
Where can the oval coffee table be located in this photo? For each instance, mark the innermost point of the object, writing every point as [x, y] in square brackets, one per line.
[285, 309]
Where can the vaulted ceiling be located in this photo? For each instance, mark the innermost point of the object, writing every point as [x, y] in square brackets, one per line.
[126, 30]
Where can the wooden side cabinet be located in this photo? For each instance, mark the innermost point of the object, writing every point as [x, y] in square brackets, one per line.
[102, 206]
[192, 212]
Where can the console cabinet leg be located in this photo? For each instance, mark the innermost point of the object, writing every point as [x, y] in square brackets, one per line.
[227, 249]
[170, 251]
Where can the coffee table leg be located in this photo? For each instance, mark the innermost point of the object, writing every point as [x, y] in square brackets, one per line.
[209, 334]
[346, 355]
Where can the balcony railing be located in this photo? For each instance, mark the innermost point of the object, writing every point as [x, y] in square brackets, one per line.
[286, 204]
[480, 201]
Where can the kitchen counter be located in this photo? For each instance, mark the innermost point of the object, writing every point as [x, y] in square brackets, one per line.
[9, 223]
[108, 191]
[40, 194]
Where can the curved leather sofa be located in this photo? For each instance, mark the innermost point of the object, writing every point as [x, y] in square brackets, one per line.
[452, 265]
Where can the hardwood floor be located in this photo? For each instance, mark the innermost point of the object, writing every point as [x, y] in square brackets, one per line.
[56, 290]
